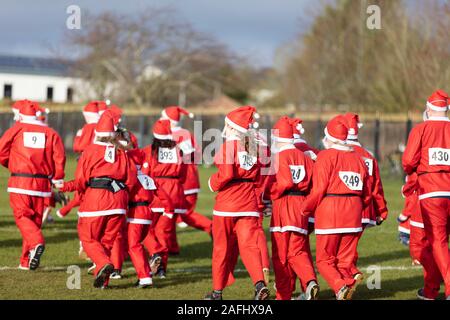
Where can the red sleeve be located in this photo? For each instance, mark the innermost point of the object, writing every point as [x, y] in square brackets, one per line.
[411, 156]
[76, 141]
[366, 196]
[283, 178]
[408, 207]
[225, 168]
[59, 157]
[320, 179]
[82, 173]
[5, 145]
[83, 140]
[134, 140]
[378, 193]
[131, 180]
[69, 186]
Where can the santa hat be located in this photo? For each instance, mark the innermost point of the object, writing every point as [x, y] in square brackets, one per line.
[174, 113]
[242, 119]
[105, 126]
[161, 130]
[90, 112]
[337, 129]
[282, 130]
[29, 111]
[297, 127]
[116, 112]
[353, 124]
[438, 101]
[43, 113]
[102, 106]
[17, 106]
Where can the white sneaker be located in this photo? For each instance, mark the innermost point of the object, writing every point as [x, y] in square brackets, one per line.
[182, 225]
[312, 291]
[91, 269]
[21, 267]
[343, 293]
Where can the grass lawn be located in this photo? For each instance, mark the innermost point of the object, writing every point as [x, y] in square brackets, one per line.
[189, 274]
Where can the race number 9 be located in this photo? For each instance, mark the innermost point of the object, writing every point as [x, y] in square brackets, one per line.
[352, 180]
[439, 156]
[35, 140]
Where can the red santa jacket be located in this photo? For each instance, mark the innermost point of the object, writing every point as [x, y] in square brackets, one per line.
[34, 154]
[169, 172]
[144, 191]
[84, 137]
[303, 146]
[340, 192]
[266, 176]
[103, 160]
[428, 154]
[411, 209]
[186, 142]
[289, 189]
[234, 181]
[378, 206]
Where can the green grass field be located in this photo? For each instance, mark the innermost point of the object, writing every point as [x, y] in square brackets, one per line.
[189, 274]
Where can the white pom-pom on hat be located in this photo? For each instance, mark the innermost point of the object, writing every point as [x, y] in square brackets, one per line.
[256, 115]
[108, 102]
[191, 115]
[255, 125]
[360, 125]
[47, 110]
[299, 127]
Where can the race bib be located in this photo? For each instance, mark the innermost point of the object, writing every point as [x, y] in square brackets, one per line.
[167, 155]
[35, 140]
[246, 161]
[298, 173]
[352, 180]
[110, 154]
[439, 156]
[146, 182]
[369, 165]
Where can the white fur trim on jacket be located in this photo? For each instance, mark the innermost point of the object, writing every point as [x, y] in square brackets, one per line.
[289, 228]
[416, 224]
[34, 193]
[434, 194]
[338, 230]
[191, 191]
[236, 214]
[87, 214]
[139, 221]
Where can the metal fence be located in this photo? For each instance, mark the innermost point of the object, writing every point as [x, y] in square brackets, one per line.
[381, 137]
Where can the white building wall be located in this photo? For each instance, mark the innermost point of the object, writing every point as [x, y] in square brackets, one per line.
[34, 87]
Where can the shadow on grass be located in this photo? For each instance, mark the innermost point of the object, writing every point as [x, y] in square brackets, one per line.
[384, 257]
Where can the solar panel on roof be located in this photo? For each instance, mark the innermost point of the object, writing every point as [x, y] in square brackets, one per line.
[33, 65]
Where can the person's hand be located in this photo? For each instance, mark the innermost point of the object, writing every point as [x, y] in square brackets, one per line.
[267, 212]
[379, 220]
[58, 184]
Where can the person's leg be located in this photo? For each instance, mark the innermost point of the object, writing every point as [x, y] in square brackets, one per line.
[281, 268]
[223, 245]
[136, 234]
[435, 212]
[346, 256]
[246, 229]
[326, 259]
[193, 218]
[119, 249]
[163, 231]
[299, 258]
[262, 244]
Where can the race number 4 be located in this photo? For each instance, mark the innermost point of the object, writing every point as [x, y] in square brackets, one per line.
[352, 180]
[439, 156]
[167, 155]
[246, 161]
[35, 140]
[369, 165]
[110, 154]
[298, 173]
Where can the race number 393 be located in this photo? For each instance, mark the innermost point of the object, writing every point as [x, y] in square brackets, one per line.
[167, 155]
[352, 180]
[35, 140]
[439, 156]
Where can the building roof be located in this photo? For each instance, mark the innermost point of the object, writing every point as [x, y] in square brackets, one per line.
[34, 66]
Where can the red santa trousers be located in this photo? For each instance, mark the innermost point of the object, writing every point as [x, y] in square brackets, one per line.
[28, 211]
[136, 234]
[291, 255]
[229, 233]
[436, 218]
[262, 244]
[119, 249]
[97, 235]
[420, 249]
[158, 237]
[335, 254]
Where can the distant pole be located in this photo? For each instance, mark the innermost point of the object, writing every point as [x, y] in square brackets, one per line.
[141, 130]
[182, 94]
[318, 131]
[408, 127]
[377, 139]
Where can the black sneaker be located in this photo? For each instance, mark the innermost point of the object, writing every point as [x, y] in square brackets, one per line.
[35, 256]
[161, 273]
[213, 296]
[261, 291]
[103, 276]
[421, 295]
[155, 262]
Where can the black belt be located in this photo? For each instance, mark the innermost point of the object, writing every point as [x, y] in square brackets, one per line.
[242, 180]
[440, 171]
[294, 193]
[167, 177]
[107, 184]
[134, 204]
[30, 175]
[342, 195]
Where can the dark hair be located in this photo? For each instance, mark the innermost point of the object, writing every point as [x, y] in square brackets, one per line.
[114, 141]
[158, 143]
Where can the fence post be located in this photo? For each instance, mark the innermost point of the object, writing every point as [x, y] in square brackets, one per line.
[408, 128]
[141, 130]
[377, 139]
[319, 132]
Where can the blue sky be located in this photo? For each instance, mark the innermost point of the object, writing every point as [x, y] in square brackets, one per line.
[252, 28]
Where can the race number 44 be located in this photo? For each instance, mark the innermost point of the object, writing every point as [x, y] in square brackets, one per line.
[35, 140]
[352, 180]
[439, 156]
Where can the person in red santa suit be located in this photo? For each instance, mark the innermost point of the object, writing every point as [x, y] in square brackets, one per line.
[291, 252]
[191, 156]
[139, 216]
[236, 208]
[34, 154]
[164, 159]
[377, 211]
[301, 143]
[340, 192]
[104, 176]
[419, 246]
[427, 153]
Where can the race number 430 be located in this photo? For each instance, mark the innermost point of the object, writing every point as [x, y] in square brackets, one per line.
[352, 180]
[35, 140]
[439, 156]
